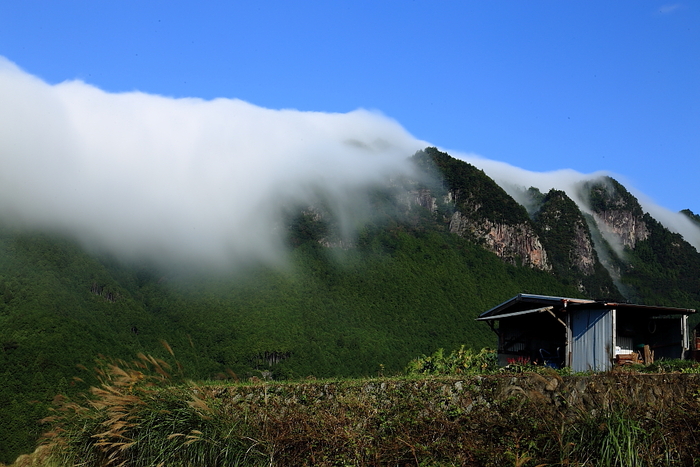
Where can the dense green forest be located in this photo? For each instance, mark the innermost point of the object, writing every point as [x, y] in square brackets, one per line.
[340, 313]
[403, 287]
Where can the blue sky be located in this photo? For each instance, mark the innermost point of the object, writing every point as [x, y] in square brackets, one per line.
[541, 85]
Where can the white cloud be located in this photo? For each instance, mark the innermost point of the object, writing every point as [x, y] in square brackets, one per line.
[513, 179]
[188, 179]
[202, 181]
[674, 221]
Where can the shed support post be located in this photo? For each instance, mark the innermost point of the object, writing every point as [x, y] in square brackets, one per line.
[567, 359]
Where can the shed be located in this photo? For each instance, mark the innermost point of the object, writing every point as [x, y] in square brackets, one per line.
[586, 334]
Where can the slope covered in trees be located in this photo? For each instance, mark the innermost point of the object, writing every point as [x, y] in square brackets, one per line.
[398, 295]
[402, 286]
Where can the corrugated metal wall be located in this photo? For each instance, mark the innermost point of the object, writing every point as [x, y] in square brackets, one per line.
[591, 340]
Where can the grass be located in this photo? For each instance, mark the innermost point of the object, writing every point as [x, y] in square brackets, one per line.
[136, 416]
[609, 439]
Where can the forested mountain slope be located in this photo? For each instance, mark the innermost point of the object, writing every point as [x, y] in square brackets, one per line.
[439, 249]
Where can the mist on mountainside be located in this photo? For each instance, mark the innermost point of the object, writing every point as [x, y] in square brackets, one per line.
[140, 175]
[211, 183]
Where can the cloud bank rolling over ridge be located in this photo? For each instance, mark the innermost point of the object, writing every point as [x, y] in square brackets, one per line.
[150, 176]
[189, 180]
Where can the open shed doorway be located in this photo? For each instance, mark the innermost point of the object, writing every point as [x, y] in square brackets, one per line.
[534, 338]
[665, 335]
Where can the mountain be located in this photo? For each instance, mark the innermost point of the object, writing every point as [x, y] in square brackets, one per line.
[440, 247]
[690, 214]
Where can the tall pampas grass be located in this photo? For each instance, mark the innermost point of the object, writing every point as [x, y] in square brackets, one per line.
[142, 413]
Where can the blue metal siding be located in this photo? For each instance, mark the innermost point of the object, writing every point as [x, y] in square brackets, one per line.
[591, 340]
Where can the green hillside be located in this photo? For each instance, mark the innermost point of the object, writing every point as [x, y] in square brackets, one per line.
[402, 287]
[664, 268]
[399, 295]
[691, 215]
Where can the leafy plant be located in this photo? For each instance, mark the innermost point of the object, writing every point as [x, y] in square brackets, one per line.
[459, 362]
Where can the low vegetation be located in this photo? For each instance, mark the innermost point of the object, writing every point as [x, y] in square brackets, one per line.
[464, 361]
[144, 413]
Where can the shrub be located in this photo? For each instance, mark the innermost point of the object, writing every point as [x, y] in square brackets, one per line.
[460, 362]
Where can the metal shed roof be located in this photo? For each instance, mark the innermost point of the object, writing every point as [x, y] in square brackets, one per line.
[523, 304]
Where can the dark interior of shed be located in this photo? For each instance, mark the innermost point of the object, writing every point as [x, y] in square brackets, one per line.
[534, 338]
[662, 333]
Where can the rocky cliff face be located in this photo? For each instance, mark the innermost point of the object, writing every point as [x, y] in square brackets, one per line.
[583, 255]
[623, 225]
[617, 213]
[474, 206]
[566, 234]
[424, 198]
[513, 243]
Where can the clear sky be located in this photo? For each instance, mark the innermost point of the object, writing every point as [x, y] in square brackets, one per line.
[542, 85]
